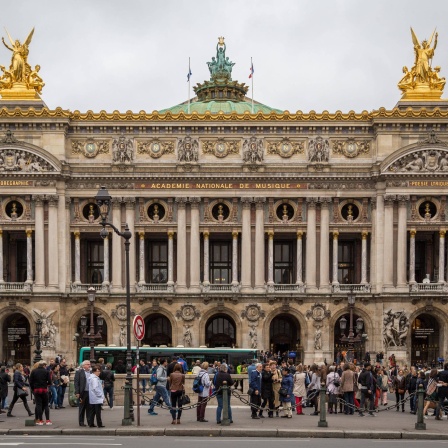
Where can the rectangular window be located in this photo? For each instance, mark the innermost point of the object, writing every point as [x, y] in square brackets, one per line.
[220, 262]
[95, 261]
[157, 270]
[283, 262]
[346, 262]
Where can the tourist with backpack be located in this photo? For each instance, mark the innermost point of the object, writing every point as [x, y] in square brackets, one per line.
[160, 387]
[201, 386]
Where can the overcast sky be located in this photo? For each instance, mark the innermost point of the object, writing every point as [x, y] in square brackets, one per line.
[308, 54]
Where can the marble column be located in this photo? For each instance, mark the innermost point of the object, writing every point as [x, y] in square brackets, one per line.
[77, 236]
[412, 234]
[141, 257]
[170, 284]
[379, 243]
[29, 257]
[117, 247]
[324, 243]
[62, 240]
[130, 220]
[441, 278]
[364, 236]
[311, 244]
[106, 283]
[299, 279]
[402, 240]
[388, 253]
[2, 279]
[195, 245]
[335, 257]
[259, 245]
[206, 282]
[235, 283]
[373, 265]
[39, 242]
[181, 245]
[270, 283]
[246, 252]
[53, 258]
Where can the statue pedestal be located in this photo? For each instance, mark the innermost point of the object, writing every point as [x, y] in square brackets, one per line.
[421, 92]
[401, 356]
[20, 91]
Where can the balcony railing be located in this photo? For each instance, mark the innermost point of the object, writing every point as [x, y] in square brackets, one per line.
[16, 286]
[279, 287]
[355, 287]
[159, 287]
[228, 287]
[83, 287]
[428, 287]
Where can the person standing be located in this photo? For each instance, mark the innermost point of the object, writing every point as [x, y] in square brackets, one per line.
[348, 389]
[255, 385]
[96, 397]
[40, 381]
[5, 379]
[81, 383]
[108, 377]
[399, 384]
[222, 376]
[143, 370]
[20, 386]
[65, 379]
[442, 392]
[205, 381]
[161, 387]
[55, 384]
[314, 387]
[333, 383]
[299, 390]
[267, 391]
[368, 386]
[176, 384]
[287, 388]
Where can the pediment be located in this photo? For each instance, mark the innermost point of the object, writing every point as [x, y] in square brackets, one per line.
[18, 157]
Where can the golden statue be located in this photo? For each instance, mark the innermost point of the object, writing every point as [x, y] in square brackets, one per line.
[20, 81]
[422, 82]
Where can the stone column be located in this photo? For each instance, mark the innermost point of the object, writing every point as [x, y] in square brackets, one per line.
[195, 245]
[402, 240]
[271, 261]
[335, 257]
[39, 242]
[259, 245]
[106, 283]
[130, 220]
[373, 265]
[206, 282]
[53, 256]
[379, 243]
[181, 245]
[311, 244]
[364, 235]
[442, 256]
[246, 252]
[170, 283]
[412, 234]
[77, 236]
[29, 258]
[324, 243]
[117, 247]
[388, 255]
[2, 280]
[62, 241]
[235, 283]
[299, 279]
[141, 257]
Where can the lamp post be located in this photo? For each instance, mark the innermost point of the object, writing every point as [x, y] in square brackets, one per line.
[351, 339]
[37, 340]
[103, 200]
[91, 336]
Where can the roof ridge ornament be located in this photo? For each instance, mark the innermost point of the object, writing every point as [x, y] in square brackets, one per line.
[432, 139]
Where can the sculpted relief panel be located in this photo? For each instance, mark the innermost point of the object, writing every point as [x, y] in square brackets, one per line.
[429, 160]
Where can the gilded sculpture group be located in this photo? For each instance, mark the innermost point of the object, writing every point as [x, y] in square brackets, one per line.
[422, 80]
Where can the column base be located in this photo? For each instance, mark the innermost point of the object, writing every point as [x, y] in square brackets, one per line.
[246, 289]
[194, 289]
[260, 289]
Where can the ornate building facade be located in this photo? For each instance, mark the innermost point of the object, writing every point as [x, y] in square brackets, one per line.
[251, 226]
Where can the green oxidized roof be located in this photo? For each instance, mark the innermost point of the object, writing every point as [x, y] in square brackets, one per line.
[227, 107]
[220, 94]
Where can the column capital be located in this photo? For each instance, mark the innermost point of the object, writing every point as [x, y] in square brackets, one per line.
[170, 234]
[389, 199]
[335, 234]
[311, 202]
[116, 202]
[194, 202]
[442, 233]
[38, 199]
[52, 200]
[412, 233]
[77, 234]
[129, 203]
[259, 203]
[181, 202]
[403, 199]
[299, 234]
[29, 233]
[324, 202]
[234, 234]
[364, 234]
[141, 235]
[246, 202]
[270, 234]
[206, 234]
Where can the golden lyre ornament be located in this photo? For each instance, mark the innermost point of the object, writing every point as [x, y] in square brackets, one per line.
[221, 40]
[20, 81]
[422, 82]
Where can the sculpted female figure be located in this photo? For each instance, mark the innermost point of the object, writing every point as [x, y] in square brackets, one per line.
[20, 52]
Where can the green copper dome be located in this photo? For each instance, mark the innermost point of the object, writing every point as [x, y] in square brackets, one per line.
[220, 94]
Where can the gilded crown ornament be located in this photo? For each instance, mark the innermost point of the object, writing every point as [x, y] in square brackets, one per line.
[20, 81]
[422, 82]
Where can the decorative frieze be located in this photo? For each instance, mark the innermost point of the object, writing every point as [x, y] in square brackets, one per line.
[90, 148]
[221, 147]
[286, 148]
[351, 148]
[318, 150]
[155, 148]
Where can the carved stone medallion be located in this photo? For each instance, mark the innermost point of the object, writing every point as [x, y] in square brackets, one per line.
[285, 148]
[155, 148]
[90, 148]
[351, 148]
[220, 148]
[318, 312]
[187, 312]
[253, 312]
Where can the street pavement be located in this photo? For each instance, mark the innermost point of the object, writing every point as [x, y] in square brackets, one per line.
[385, 425]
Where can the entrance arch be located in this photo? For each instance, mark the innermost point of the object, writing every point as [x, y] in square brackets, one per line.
[16, 342]
[425, 340]
[220, 331]
[284, 334]
[158, 331]
[341, 347]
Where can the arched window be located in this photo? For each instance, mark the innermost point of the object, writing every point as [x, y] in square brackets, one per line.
[284, 334]
[158, 331]
[16, 342]
[220, 331]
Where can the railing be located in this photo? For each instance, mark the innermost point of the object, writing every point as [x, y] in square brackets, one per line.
[220, 287]
[428, 287]
[16, 286]
[347, 287]
[83, 287]
[294, 287]
[159, 287]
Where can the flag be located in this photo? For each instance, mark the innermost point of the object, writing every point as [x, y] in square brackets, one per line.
[251, 70]
[189, 72]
